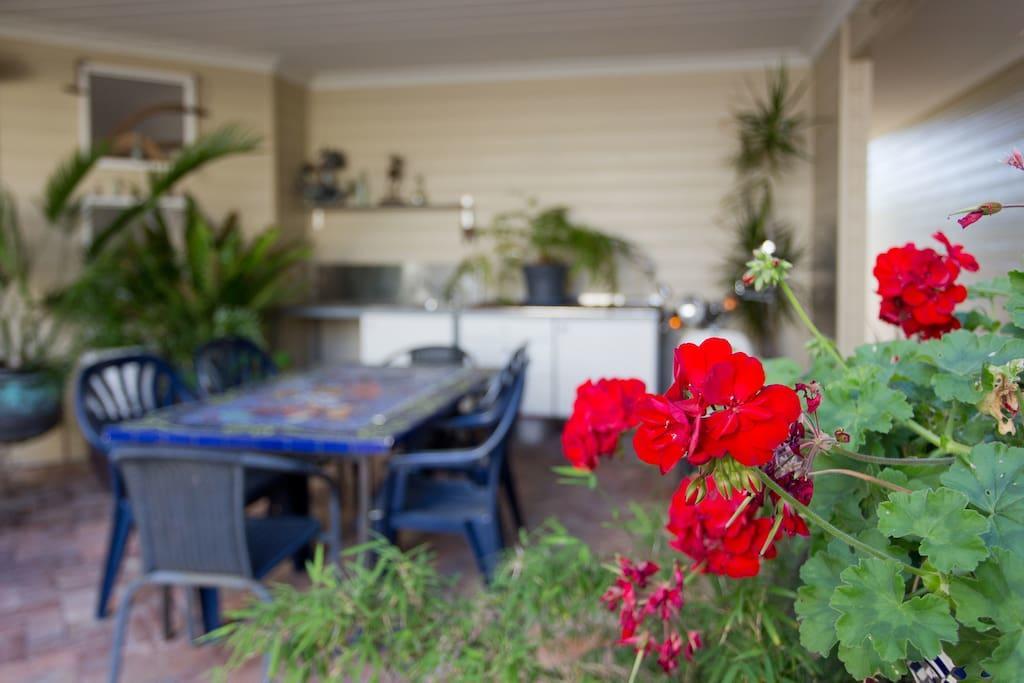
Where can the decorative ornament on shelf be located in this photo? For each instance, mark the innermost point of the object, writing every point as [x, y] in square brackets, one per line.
[320, 182]
[419, 195]
[396, 173]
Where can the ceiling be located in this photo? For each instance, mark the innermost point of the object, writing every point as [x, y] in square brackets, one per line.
[339, 38]
[930, 51]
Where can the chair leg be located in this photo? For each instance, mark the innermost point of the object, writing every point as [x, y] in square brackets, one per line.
[509, 484]
[485, 540]
[296, 502]
[120, 527]
[168, 604]
[477, 546]
[209, 600]
[120, 628]
[190, 614]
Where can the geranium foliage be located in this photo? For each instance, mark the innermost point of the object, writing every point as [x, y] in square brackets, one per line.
[905, 461]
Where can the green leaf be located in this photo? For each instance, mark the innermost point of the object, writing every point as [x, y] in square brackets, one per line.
[872, 609]
[1015, 303]
[950, 534]
[989, 289]
[861, 402]
[962, 355]
[994, 597]
[63, 182]
[1007, 660]
[782, 371]
[863, 661]
[199, 253]
[994, 484]
[225, 141]
[820, 576]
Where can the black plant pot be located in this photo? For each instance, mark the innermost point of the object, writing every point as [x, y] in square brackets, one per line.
[30, 403]
[545, 284]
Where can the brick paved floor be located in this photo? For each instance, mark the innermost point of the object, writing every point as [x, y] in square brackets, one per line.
[53, 531]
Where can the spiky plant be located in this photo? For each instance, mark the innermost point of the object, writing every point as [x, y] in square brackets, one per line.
[772, 138]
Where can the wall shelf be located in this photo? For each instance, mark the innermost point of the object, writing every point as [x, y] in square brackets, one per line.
[454, 206]
[465, 207]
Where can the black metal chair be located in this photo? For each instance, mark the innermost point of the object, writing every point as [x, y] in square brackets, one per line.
[417, 498]
[425, 356]
[189, 506]
[230, 362]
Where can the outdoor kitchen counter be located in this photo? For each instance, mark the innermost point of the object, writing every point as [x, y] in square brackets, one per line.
[349, 311]
[566, 344]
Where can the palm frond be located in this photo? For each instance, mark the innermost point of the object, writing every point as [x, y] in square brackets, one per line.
[14, 261]
[63, 182]
[225, 141]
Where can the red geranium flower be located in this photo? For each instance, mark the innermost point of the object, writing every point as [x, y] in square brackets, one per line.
[712, 532]
[918, 287]
[747, 419]
[667, 430]
[601, 413]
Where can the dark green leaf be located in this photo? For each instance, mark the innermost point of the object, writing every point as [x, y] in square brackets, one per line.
[860, 402]
[994, 484]
[951, 535]
[872, 609]
[820, 576]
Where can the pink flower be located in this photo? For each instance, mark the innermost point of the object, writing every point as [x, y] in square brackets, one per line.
[693, 643]
[972, 215]
[969, 218]
[1016, 159]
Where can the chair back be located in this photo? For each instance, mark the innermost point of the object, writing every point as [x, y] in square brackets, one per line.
[495, 447]
[123, 388]
[189, 506]
[487, 403]
[230, 362]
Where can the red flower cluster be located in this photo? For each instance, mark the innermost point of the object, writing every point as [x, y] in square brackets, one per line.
[718, 405]
[919, 289]
[602, 412]
[717, 533]
[638, 601]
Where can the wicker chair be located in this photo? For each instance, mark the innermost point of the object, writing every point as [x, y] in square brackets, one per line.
[189, 506]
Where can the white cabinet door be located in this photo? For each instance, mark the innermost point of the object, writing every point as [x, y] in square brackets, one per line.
[491, 338]
[383, 334]
[592, 349]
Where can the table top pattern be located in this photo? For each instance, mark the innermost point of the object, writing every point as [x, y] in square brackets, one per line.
[337, 410]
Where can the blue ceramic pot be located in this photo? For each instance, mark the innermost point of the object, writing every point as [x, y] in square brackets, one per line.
[30, 403]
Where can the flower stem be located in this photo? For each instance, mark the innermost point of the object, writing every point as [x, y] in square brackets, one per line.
[948, 445]
[864, 477]
[636, 662]
[827, 526]
[945, 443]
[898, 462]
[809, 324]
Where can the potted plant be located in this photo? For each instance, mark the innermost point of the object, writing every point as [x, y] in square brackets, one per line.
[30, 378]
[545, 246]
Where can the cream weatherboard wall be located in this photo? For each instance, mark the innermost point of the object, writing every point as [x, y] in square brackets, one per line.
[643, 156]
[39, 128]
[951, 159]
